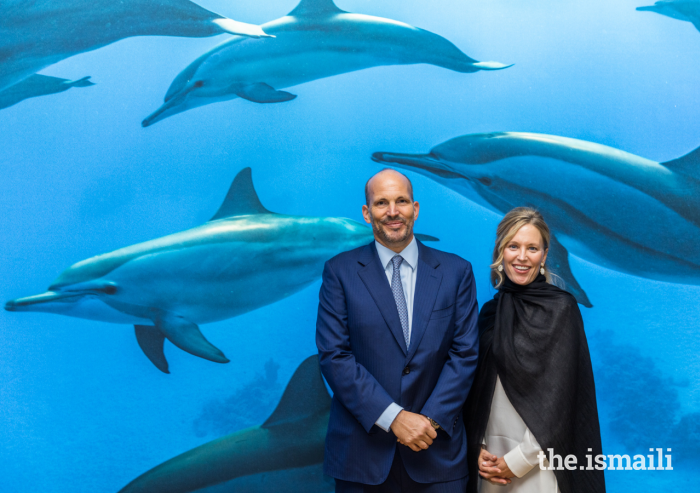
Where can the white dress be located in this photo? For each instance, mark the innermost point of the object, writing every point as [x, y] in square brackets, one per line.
[507, 436]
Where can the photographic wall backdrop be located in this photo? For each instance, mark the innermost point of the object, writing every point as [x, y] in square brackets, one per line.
[175, 174]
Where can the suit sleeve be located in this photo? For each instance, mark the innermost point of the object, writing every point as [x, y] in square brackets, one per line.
[354, 387]
[446, 401]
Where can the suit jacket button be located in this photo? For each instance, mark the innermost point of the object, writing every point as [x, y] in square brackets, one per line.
[406, 370]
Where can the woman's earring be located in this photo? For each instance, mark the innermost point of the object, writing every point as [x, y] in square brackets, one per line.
[542, 269]
[500, 268]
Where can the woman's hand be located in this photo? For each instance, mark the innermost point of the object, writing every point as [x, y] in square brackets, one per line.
[491, 468]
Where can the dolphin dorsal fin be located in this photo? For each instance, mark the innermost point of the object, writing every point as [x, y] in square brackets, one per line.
[241, 198]
[315, 7]
[688, 165]
[305, 396]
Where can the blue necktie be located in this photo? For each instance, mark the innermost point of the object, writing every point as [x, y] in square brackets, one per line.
[400, 299]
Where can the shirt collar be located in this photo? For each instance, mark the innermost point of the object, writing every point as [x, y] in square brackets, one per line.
[409, 254]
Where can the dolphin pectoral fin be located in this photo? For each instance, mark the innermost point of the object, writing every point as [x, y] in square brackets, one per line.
[688, 165]
[241, 28]
[263, 93]
[558, 260]
[187, 336]
[241, 199]
[305, 396]
[151, 341]
[423, 237]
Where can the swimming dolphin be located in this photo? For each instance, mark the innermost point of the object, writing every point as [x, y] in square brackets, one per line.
[684, 10]
[244, 258]
[315, 40]
[36, 34]
[613, 208]
[284, 454]
[38, 85]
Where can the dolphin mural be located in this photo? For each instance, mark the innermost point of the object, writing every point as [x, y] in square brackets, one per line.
[610, 207]
[315, 40]
[283, 455]
[36, 34]
[244, 258]
[38, 85]
[683, 10]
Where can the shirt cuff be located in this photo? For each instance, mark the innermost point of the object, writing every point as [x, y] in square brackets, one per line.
[517, 463]
[388, 416]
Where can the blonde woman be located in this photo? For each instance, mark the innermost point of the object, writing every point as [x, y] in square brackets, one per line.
[533, 389]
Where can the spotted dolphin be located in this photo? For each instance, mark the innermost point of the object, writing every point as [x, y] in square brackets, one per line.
[38, 85]
[36, 34]
[683, 10]
[315, 40]
[283, 455]
[605, 205]
[244, 258]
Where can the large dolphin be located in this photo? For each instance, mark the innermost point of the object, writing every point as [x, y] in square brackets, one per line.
[684, 10]
[315, 40]
[38, 85]
[36, 34]
[244, 258]
[283, 455]
[613, 208]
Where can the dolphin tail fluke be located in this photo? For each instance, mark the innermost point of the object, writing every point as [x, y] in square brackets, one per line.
[241, 28]
[490, 66]
[84, 82]
[263, 93]
[187, 336]
[423, 237]
[151, 342]
[688, 165]
[558, 261]
[305, 396]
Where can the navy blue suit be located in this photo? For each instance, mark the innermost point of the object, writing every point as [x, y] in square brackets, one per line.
[363, 356]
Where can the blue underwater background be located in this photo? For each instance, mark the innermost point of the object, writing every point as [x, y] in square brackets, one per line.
[83, 410]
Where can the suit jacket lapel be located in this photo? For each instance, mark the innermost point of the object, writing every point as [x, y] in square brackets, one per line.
[374, 277]
[427, 285]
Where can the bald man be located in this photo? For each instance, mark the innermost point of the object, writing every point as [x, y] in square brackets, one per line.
[397, 341]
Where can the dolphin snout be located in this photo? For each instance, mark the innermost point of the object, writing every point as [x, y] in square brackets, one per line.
[39, 302]
[651, 8]
[425, 162]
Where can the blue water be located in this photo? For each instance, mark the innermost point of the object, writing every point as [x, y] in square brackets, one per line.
[82, 409]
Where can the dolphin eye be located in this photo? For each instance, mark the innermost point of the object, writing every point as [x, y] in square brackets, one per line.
[199, 83]
[485, 181]
[110, 289]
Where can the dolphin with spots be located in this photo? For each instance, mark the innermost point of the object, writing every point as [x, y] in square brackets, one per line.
[36, 34]
[244, 258]
[315, 40]
[38, 85]
[683, 10]
[605, 205]
[283, 455]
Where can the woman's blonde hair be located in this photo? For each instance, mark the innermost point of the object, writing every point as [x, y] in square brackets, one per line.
[507, 229]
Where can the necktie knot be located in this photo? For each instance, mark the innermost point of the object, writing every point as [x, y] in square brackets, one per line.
[396, 260]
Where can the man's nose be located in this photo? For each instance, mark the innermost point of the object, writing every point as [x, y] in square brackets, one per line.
[393, 210]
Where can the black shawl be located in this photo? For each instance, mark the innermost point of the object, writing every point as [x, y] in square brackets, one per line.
[532, 337]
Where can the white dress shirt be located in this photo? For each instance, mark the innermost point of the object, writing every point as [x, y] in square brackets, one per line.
[408, 270]
[508, 436]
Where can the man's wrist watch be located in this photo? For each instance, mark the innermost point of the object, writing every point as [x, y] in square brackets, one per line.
[434, 423]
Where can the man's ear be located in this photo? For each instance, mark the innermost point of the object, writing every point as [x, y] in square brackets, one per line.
[365, 214]
[416, 209]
